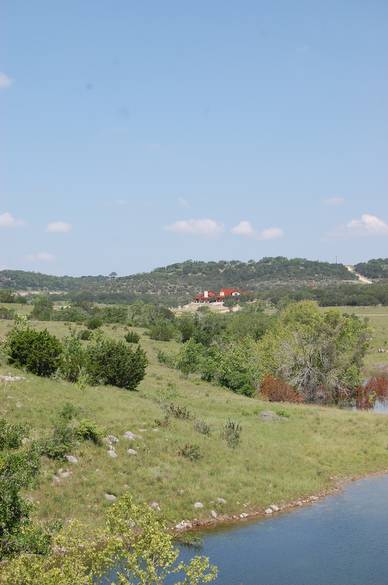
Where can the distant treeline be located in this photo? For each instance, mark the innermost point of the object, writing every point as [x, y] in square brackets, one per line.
[375, 269]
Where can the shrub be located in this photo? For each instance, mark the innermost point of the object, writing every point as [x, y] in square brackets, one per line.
[177, 411]
[276, 390]
[191, 452]
[166, 359]
[11, 436]
[60, 443]
[72, 359]
[113, 362]
[202, 427]
[94, 323]
[190, 357]
[132, 337]
[7, 313]
[84, 334]
[88, 430]
[42, 308]
[162, 331]
[238, 367]
[232, 433]
[37, 351]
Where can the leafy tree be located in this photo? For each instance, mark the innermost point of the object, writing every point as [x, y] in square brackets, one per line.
[113, 362]
[239, 367]
[42, 308]
[133, 545]
[162, 331]
[37, 351]
[319, 354]
[72, 358]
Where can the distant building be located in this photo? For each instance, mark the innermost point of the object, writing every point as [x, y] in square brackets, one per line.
[210, 296]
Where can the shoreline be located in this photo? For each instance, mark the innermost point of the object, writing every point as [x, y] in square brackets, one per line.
[231, 520]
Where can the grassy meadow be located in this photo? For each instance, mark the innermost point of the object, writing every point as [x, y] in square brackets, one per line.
[299, 455]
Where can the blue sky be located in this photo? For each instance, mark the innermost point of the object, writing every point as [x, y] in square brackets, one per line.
[136, 134]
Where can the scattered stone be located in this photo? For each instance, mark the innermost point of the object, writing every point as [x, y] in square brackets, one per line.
[198, 505]
[10, 378]
[71, 459]
[314, 498]
[25, 440]
[111, 440]
[243, 515]
[184, 525]
[110, 497]
[268, 511]
[112, 453]
[56, 480]
[142, 430]
[155, 430]
[269, 415]
[220, 501]
[131, 451]
[130, 436]
[155, 506]
[64, 474]
[213, 514]
[19, 405]
[274, 508]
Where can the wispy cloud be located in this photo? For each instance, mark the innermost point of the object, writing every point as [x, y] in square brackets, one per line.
[334, 201]
[40, 257]
[246, 230]
[7, 220]
[182, 202]
[366, 225]
[208, 228]
[5, 81]
[59, 227]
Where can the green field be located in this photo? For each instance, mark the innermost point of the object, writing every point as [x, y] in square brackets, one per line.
[276, 462]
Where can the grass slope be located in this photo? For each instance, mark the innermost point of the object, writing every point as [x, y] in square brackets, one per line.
[276, 461]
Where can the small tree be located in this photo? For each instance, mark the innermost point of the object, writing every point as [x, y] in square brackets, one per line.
[42, 308]
[37, 351]
[112, 362]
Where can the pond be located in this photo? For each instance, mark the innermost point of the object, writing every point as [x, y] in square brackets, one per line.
[342, 540]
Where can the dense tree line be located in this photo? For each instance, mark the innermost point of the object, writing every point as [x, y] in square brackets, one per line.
[376, 269]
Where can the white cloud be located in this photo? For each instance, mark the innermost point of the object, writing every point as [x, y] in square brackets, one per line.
[272, 233]
[197, 227]
[7, 220]
[59, 227]
[40, 257]
[245, 229]
[366, 225]
[5, 81]
[334, 201]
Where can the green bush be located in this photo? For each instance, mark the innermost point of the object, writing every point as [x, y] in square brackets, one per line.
[61, 442]
[42, 308]
[202, 427]
[38, 352]
[94, 323]
[132, 337]
[178, 411]
[11, 436]
[84, 334]
[72, 359]
[162, 331]
[87, 430]
[6, 313]
[113, 362]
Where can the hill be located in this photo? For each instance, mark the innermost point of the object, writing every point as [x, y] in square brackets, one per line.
[376, 268]
[178, 282]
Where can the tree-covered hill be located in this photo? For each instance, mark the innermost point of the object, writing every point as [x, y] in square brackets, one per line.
[376, 268]
[179, 282]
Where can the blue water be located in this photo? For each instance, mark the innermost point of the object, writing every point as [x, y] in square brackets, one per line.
[342, 540]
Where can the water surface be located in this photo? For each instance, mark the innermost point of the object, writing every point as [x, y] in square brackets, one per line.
[342, 540]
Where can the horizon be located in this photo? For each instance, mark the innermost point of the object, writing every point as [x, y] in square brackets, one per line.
[167, 132]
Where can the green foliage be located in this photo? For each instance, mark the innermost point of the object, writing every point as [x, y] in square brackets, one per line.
[319, 354]
[166, 359]
[239, 367]
[61, 442]
[72, 359]
[6, 313]
[112, 362]
[132, 533]
[88, 430]
[191, 452]
[38, 352]
[85, 334]
[232, 433]
[132, 337]
[11, 436]
[162, 331]
[94, 323]
[190, 357]
[42, 308]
